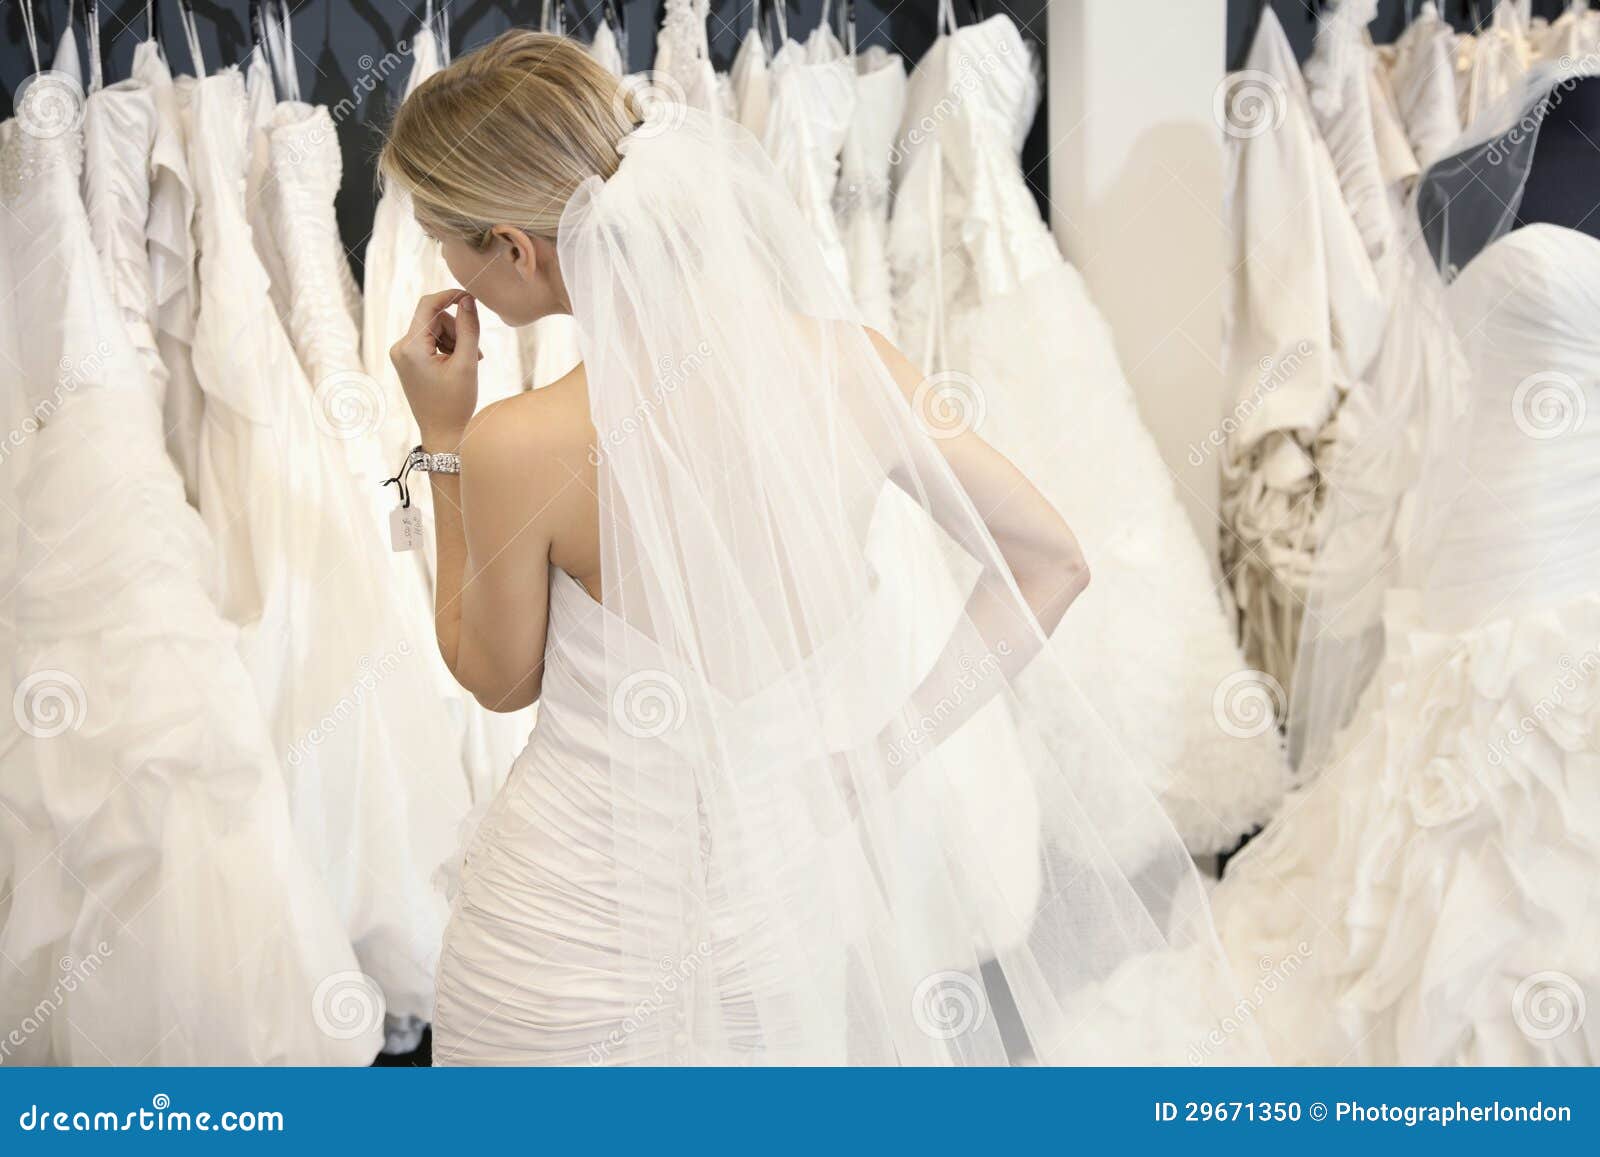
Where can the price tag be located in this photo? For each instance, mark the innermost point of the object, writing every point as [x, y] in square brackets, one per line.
[405, 528]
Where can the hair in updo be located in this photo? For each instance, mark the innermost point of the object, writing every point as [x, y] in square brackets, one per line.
[506, 134]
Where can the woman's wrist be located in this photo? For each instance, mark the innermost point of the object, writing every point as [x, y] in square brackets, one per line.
[443, 440]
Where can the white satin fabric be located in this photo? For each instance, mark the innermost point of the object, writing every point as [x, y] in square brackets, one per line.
[985, 298]
[341, 686]
[160, 908]
[1434, 886]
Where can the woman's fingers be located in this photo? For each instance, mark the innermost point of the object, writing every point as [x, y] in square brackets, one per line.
[443, 333]
[431, 306]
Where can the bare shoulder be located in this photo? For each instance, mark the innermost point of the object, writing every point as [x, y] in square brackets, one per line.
[547, 426]
[527, 451]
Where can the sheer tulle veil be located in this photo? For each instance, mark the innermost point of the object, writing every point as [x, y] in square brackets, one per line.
[1406, 432]
[799, 879]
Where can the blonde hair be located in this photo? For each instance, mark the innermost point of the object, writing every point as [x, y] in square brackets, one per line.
[506, 134]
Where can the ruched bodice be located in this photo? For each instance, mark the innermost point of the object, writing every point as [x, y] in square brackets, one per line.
[1521, 532]
[119, 132]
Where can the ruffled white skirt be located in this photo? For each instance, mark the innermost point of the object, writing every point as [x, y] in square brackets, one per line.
[1431, 898]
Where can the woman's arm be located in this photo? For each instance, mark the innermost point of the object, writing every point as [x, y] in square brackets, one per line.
[1037, 544]
[493, 539]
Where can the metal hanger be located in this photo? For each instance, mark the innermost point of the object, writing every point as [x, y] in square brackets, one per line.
[191, 33]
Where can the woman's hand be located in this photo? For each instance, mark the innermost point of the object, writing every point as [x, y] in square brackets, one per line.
[437, 361]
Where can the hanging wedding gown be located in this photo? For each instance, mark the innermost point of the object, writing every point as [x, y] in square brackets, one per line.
[985, 298]
[683, 58]
[38, 900]
[1572, 36]
[1499, 57]
[1355, 121]
[170, 242]
[807, 122]
[751, 82]
[402, 264]
[1423, 77]
[805, 136]
[354, 713]
[861, 201]
[194, 932]
[1305, 317]
[604, 48]
[1436, 882]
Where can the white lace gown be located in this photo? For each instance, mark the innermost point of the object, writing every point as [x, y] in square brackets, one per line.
[181, 921]
[984, 295]
[1435, 885]
[351, 704]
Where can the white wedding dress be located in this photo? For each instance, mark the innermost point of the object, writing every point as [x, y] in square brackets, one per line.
[352, 707]
[1436, 884]
[984, 296]
[812, 106]
[861, 200]
[183, 919]
[1423, 76]
[169, 238]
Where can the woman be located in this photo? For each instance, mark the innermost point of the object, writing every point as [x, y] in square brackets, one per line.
[736, 835]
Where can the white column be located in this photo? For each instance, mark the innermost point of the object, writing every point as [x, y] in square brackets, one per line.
[1136, 189]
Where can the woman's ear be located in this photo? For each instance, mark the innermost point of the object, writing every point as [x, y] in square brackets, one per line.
[518, 248]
